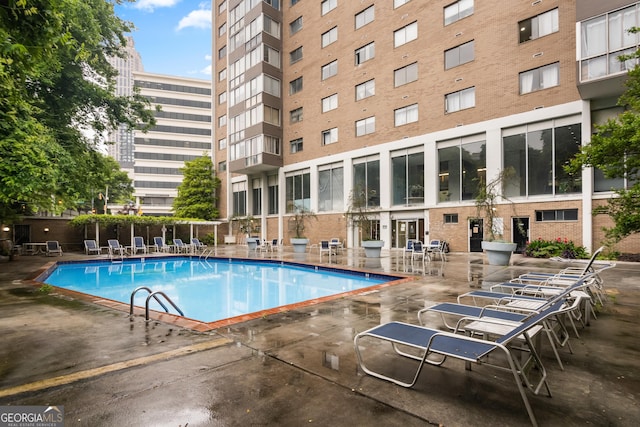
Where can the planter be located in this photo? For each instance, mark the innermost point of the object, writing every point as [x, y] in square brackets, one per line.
[372, 248]
[498, 253]
[252, 243]
[299, 244]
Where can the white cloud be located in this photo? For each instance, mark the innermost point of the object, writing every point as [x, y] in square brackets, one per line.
[200, 18]
[150, 5]
[206, 70]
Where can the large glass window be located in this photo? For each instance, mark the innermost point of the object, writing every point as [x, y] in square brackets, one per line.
[239, 190]
[365, 90]
[272, 182]
[256, 192]
[407, 173]
[539, 26]
[405, 34]
[540, 78]
[298, 191]
[606, 37]
[537, 154]
[331, 188]
[457, 10]
[364, 17]
[366, 177]
[459, 55]
[461, 165]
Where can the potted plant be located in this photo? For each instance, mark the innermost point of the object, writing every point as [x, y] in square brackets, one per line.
[247, 228]
[488, 193]
[360, 215]
[297, 224]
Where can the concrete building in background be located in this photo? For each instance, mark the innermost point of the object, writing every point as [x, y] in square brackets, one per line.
[416, 101]
[182, 133]
[121, 139]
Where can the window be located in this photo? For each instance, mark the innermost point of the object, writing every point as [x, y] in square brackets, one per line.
[537, 154]
[222, 7]
[293, 2]
[296, 25]
[239, 190]
[295, 86]
[222, 52]
[331, 188]
[365, 126]
[539, 26]
[329, 37]
[328, 5]
[365, 53]
[603, 39]
[461, 163]
[460, 100]
[272, 115]
[405, 34]
[364, 17]
[295, 145]
[330, 70]
[459, 55]
[222, 166]
[222, 29]
[222, 98]
[273, 3]
[222, 75]
[329, 136]
[405, 115]
[557, 215]
[540, 78]
[405, 75]
[407, 178]
[458, 10]
[222, 120]
[222, 144]
[398, 3]
[330, 103]
[450, 218]
[295, 55]
[365, 90]
[298, 191]
[256, 192]
[272, 189]
[366, 177]
[295, 116]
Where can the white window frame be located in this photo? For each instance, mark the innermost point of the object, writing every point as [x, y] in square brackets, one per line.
[460, 100]
[327, 6]
[405, 75]
[365, 89]
[540, 78]
[329, 70]
[366, 126]
[365, 17]
[454, 57]
[330, 103]
[329, 136]
[365, 53]
[405, 115]
[406, 34]
[458, 10]
[329, 37]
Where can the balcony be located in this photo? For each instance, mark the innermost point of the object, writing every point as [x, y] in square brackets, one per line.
[256, 164]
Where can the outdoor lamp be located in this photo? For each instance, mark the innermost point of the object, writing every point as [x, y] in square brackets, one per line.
[46, 229]
[6, 229]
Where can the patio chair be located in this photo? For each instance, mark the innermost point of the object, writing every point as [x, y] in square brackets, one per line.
[275, 246]
[425, 342]
[407, 252]
[138, 245]
[325, 247]
[180, 246]
[91, 247]
[437, 247]
[198, 245]
[419, 253]
[115, 248]
[53, 247]
[336, 244]
[160, 245]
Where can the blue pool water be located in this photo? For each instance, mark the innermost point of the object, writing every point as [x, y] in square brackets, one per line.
[209, 290]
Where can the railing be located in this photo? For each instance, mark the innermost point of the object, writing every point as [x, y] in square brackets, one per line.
[153, 295]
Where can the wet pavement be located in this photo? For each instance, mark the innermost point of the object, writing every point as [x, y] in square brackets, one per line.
[299, 367]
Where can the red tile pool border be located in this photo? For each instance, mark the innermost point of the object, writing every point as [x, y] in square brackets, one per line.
[196, 325]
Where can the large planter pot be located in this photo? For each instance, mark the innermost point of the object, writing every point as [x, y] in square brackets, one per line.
[299, 244]
[372, 248]
[498, 253]
[252, 243]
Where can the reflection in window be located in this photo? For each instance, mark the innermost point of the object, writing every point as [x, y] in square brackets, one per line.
[408, 179]
[330, 189]
[366, 177]
[298, 192]
[461, 166]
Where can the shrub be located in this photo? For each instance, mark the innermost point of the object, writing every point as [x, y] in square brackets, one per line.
[555, 248]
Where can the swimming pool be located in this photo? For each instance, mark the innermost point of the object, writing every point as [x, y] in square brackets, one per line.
[213, 289]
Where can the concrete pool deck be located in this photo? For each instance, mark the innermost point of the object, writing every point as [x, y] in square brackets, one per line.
[299, 367]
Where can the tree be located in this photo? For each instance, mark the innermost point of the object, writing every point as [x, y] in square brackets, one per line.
[56, 85]
[197, 192]
[615, 150]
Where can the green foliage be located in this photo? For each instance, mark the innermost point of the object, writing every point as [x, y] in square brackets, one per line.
[615, 150]
[56, 86]
[555, 248]
[197, 192]
[83, 220]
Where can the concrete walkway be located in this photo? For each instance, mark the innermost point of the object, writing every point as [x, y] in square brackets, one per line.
[299, 367]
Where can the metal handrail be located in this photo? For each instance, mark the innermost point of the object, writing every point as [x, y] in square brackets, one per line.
[145, 288]
[153, 294]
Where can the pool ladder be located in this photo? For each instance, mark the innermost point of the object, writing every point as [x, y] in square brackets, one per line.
[153, 295]
[206, 254]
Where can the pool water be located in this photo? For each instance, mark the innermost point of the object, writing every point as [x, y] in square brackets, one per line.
[212, 289]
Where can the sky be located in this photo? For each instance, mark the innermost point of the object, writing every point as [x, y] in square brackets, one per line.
[172, 36]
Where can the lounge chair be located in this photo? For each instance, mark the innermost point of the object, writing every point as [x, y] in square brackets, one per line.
[115, 248]
[53, 247]
[91, 247]
[427, 342]
[180, 246]
[160, 245]
[198, 245]
[138, 245]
